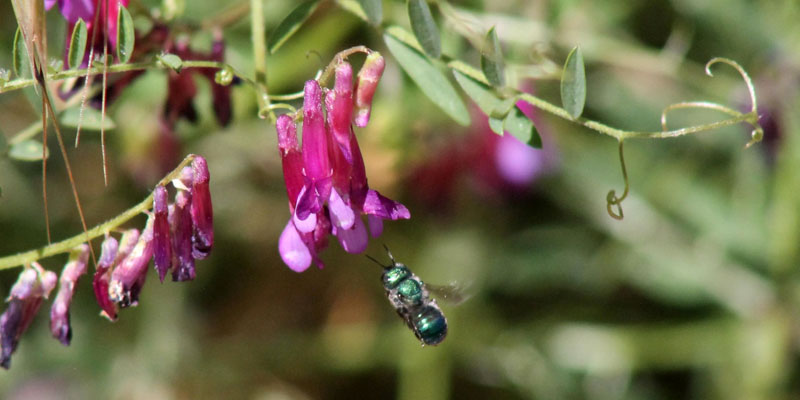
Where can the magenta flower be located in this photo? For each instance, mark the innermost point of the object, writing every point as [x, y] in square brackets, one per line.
[33, 285]
[202, 214]
[162, 244]
[59, 312]
[108, 258]
[326, 179]
[128, 278]
[180, 219]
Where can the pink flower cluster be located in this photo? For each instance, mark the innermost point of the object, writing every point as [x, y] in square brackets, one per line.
[325, 178]
[174, 237]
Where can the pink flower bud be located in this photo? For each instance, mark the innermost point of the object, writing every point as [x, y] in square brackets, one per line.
[368, 78]
[162, 246]
[103, 274]
[180, 220]
[339, 104]
[202, 213]
[59, 313]
[128, 278]
[315, 145]
[33, 285]
[291, 158]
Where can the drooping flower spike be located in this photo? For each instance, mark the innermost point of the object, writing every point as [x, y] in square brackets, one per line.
[326, 179]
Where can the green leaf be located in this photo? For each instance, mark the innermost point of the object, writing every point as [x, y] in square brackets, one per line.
[20, 58]
[373, 9]
[171, 61]
[27, 150]
[77, 45]
[573, 83]
[480, 93]
[492, 60]
[126, 36]
[424, 27]
[290, 25]
[92, 119]
[521, 127]
[496, 125]
[429, 79]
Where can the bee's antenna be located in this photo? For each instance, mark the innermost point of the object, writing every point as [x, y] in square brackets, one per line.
[376, 261]
[391, 257]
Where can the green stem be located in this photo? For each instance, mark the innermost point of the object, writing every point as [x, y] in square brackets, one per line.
[620, 134]
[259, 38]
[67, 245]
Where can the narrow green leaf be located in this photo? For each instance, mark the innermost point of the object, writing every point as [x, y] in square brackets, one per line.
[468, 70]
[20, 56]
[496, 125]
[171, 61]
[290, 25]
[27, 150]
[521, 127]
[374, 10]
[126, 36]
[480, 93]
[77, 45]
[573, 83]
[492, 60]
[429, 79]
[424, 27]
[92, 119]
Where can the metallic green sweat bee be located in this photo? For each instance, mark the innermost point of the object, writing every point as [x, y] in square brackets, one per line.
[412, 301]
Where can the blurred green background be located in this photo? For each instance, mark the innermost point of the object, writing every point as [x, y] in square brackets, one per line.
[694, 295]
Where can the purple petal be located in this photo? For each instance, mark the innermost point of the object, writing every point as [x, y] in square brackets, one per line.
[353, 240]
[339, 103]
[294, 251]
[342, 215]
[162, 244]
[202, 212]
[102, 275]
[59, 313]
[128, 278]
[74, 9]
[315, 143]
[48, 4]
[384, 207]
[375, 225]
[181, 225]
[33, 285]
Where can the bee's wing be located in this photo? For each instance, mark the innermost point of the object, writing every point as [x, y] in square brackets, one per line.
[453, 293]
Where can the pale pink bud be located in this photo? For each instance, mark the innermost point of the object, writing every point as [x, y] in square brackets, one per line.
[368, 78]
[59, 313]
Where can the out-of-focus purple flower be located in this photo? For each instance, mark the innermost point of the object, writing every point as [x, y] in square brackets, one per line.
[368, 78]
[33, 285]
[102, 275]
[59, 313]
[202, 213]
[180, 220]
[162, 244]
[128, 278]
[326, 180]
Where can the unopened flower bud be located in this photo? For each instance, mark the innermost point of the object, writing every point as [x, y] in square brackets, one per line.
[128, 278]
[339, 104]
[33, 285]
[59, 313]
[202, 212]
[102, 275]
[368, 78]
[162, 246]
[291, 158]
[180, 220]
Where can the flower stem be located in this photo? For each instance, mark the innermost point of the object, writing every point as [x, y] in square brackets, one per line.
[68, 244]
